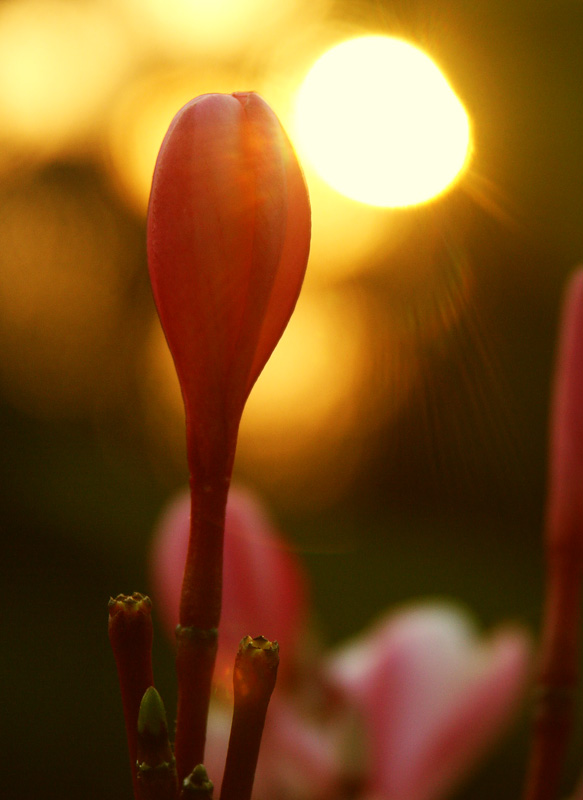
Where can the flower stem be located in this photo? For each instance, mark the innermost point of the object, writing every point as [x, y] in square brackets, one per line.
[130, 634]
[558, 672]
[200, 610]
[195, 660]
[564, 558]
[253, 682]
[200, 601]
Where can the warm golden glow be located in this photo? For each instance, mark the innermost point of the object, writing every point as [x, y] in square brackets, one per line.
[348, 237]
[59, 61]
[60, 298]
[313, 371]
[308, 400]
[380, 123]
[210, 27]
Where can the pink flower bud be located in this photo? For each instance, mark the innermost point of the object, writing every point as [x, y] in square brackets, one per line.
[228, 241]
[431, 696]
[264, 588]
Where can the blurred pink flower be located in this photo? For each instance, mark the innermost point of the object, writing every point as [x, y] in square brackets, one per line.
[431, 696]
[402, 713]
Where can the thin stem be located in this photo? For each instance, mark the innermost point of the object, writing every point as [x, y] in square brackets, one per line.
[200, 601]
[130, 635]
[564, 550]
[558, 673]
[195, 660]
[253, 682]
[200, 609]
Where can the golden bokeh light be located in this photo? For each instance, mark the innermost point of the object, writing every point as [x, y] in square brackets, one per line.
[161, 406]
[308, 400]
[59, 62]
[206, 27]
[314, 370]
[348, 238]
[380, 123]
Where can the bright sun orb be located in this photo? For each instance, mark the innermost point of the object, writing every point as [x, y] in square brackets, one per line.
[379, 122]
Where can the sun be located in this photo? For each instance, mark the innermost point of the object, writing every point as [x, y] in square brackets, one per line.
[379, 122]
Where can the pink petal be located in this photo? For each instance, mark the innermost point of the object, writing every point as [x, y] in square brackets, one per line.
[287, 281]
[264, 588]
[298, 759]
[432, 697]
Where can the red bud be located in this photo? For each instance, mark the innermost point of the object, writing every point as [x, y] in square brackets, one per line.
[228, 241]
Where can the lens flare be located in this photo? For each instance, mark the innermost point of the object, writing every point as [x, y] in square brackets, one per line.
[380, 123]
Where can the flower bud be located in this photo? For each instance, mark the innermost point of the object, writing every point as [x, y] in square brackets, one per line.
[228, 241]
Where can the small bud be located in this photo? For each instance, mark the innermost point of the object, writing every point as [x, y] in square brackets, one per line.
[253, 682]
[197, 785]
[152, 716]
[156, 768]
[130, 635]
[255, 668]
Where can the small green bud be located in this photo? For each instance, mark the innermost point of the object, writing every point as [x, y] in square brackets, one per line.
[197, 785]
[152, 715]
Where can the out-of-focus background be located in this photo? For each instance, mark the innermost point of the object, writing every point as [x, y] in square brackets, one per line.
[398, 436]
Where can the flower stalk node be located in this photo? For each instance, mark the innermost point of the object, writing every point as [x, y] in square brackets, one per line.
[205, 635]
[195, 659]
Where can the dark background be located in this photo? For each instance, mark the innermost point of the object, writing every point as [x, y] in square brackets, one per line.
[449, 494]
